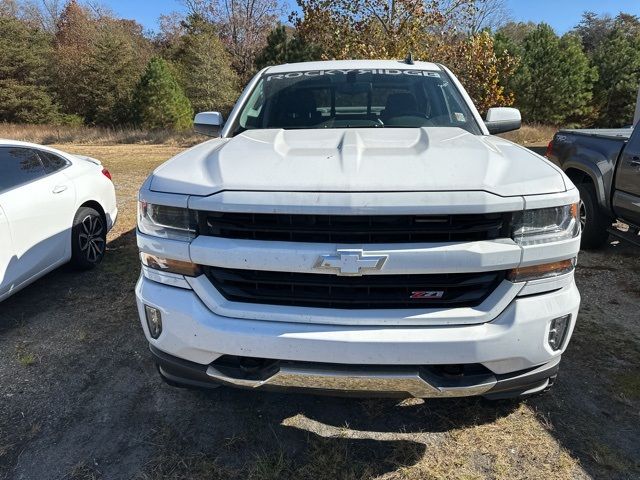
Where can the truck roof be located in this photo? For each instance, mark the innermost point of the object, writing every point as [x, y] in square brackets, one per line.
[353, 65]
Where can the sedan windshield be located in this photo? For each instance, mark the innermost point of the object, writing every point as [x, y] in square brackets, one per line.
[390, 98]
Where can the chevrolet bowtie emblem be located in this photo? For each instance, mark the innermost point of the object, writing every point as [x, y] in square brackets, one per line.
[350, 262]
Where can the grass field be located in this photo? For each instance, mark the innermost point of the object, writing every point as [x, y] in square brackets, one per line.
[80, 398]
[81, 135]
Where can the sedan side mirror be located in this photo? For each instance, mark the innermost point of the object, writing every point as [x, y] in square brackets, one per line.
[208, 123]
[503, 119]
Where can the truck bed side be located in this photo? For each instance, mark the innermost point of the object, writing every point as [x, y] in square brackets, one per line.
[590, 154]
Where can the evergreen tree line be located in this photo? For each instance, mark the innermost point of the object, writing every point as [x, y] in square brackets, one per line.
[589, 76]
[92, 68]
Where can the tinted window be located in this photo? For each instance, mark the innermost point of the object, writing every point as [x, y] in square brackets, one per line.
[18, 166]
[52, 163]
[392, 98]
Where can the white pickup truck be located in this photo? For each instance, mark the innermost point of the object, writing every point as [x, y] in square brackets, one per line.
[355, 228]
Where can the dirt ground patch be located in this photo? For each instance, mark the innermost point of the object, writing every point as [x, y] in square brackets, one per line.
[80, 397]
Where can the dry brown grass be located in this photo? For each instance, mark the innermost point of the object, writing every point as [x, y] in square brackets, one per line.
[61, 134]
[532, 135]
[515, 446]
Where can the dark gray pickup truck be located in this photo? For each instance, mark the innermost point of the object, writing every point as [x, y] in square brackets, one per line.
[605, 166]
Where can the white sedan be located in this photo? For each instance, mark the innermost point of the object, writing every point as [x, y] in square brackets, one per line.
[54, 208]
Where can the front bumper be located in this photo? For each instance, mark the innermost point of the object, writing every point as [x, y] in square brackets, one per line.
[380, 381]
[511, 345]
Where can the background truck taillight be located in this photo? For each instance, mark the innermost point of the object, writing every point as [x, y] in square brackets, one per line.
[549, 149]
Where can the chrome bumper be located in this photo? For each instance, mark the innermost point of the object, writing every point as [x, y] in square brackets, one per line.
[410, 381]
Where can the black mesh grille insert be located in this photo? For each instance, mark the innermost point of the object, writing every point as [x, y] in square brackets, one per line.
[356, 229]
[364, 292]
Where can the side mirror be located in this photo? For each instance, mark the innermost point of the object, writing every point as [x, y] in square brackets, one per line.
[208, 123]
[503, 119]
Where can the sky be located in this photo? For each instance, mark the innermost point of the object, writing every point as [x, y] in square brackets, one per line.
[562, 15]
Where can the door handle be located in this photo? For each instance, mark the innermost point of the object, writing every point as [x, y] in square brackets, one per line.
[59, 188]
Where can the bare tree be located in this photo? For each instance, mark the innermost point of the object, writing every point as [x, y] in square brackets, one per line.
[243, 26]
[171, 28]
[99, 9]
[454, 18]
[489, 14]
[43, 13]
[8, 8]
[207, 9]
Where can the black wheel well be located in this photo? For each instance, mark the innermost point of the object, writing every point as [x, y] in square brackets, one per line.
[97, 207]
[578, 176]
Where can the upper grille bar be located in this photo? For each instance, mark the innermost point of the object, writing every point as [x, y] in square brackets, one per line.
[355, 229]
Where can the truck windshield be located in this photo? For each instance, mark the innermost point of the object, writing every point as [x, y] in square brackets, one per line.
[390, 98]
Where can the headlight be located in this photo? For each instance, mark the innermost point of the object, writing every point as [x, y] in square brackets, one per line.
[174, 223]
[532, 227]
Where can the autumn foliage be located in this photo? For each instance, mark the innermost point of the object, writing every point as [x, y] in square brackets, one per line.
[432, 31]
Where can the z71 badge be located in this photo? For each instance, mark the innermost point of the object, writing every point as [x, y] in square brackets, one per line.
[429, 295]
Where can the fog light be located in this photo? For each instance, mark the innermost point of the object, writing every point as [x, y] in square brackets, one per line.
[154, 321]
[557, 331]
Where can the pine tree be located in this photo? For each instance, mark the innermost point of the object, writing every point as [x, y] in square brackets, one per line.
[74, 37]
[204, 68]
[554, 82]
[508, 46]
[24, 74]
[617, 59]
[160, 101]
[110, 74]
[580, 77]
[99, 60]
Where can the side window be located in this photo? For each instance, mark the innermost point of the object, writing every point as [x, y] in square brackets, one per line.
[52, 163]
[18, 166]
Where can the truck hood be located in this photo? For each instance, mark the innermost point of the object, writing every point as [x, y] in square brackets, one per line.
[359, 160]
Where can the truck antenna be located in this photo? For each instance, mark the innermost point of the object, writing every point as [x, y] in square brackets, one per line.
[409, 59]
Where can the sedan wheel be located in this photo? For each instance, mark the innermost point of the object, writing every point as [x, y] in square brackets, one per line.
[89, 240]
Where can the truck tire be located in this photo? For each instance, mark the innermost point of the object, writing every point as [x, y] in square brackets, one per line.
[594, 222]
